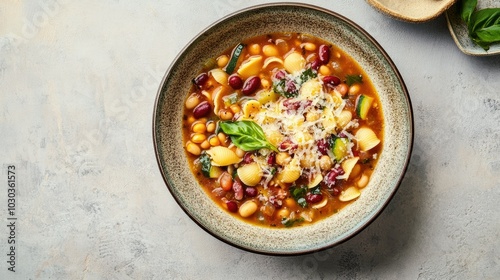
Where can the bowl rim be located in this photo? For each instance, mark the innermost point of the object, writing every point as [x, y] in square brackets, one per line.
[410, 117]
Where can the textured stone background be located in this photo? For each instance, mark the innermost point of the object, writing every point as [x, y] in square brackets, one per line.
[77, 85]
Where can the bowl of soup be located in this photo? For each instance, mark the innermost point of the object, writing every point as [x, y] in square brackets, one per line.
[283, 129]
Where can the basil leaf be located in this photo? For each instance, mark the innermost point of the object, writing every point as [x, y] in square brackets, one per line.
[299, 193]
[483, 25]
[353, 79]
[466, 9]
[484, 18]
[246, 135]
[205, 164]
[489, 34]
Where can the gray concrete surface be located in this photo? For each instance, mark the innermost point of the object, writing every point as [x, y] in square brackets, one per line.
[77, 86]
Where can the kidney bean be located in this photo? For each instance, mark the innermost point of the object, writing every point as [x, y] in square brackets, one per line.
[247, 158]
[235, 81]
[232, 206]
[316, 64]
[324, 54]
[335, 191]
[202, 109]
[313, 198]
[279, 75]
[323, 146]
[331, 177]
[251, 192]
[331, 80]
[277, 203]
[200, 80]
[271, 159]
[251, 85]
[287, 145]
[290, 86]
[295, 105]
[238, 190]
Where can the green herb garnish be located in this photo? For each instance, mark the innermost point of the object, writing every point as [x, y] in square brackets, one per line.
[299, 194]
[483, 25]
[316, 190]
[206, 164]
[291, 222]
[246, 135]
[289, 87]
[307, 74]
[353, 79]
[279, 88]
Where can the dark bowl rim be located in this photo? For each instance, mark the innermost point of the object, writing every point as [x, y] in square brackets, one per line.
[372, 41]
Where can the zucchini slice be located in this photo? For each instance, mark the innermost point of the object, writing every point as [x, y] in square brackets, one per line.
[339, 148]
[215, 172]
[234, 58]
[363, 105]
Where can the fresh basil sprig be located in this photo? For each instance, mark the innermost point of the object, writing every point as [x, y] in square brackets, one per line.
[483, 25]
[246, 135]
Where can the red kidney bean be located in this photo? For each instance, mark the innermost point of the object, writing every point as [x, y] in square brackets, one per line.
[232, 206]
[331, 177]
[251, 85]
[355, 152]
[202, 109]
[331, 80]
[271, 159]
[251, 192]
[295, 105]
[335, 191]
[313, 198]
[324, 54]
[316, 64]
[277, 203]
[247, 158]
[238, 190]
[287, 145]
[235, 81]
[279, 75]
[323, 146]
[200, 80]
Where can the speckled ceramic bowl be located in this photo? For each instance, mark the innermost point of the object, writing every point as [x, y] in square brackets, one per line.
[283, 17]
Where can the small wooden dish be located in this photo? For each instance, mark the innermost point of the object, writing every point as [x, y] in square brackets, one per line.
[412, 10]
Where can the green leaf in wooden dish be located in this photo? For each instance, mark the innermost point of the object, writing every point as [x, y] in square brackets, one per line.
[483, 18]
[489, 34]
[246, 135]
[467, 7]
[483, 25]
